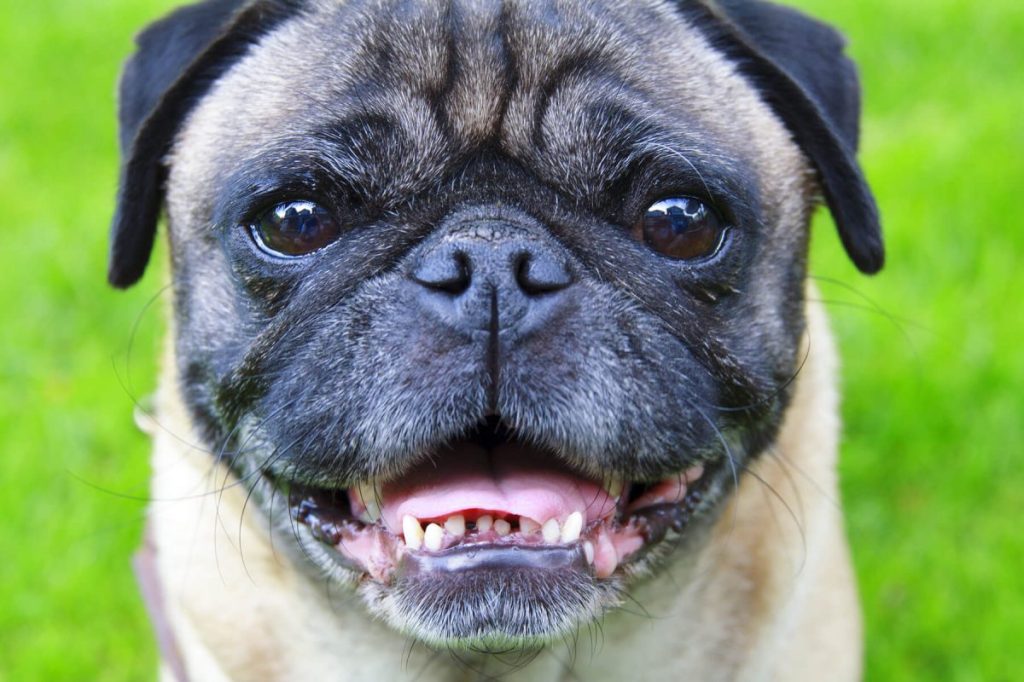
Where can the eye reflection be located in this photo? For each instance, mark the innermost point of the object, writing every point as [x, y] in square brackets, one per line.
[684, 228]
[295, 228]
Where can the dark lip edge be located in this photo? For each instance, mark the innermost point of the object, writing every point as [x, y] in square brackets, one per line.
[694, 504]
[487, 555]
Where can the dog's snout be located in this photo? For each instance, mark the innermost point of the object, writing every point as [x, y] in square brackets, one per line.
[486, 278]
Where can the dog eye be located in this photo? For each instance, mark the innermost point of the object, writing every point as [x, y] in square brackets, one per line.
[683, 228]
[295, 228]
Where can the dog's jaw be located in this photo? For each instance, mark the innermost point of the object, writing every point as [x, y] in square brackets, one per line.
[493, 549]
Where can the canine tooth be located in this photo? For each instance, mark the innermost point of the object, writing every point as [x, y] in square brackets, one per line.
[551, 531]
[528, 526]
[615, 488]
[502, 527]
[432, 537]
[413, 532]
[572, 527]
[484, 523]
[368, 496]
[456, 525]
[372, 513]
[588, 551]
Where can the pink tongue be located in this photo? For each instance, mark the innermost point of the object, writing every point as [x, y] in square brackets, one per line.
[510, 481]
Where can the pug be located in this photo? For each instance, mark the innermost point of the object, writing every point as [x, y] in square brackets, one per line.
[492, 348]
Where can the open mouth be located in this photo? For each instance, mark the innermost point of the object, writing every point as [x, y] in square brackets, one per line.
[490, 501]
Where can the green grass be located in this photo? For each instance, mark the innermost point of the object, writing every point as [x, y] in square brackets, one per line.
[933, 371]
[934, 409]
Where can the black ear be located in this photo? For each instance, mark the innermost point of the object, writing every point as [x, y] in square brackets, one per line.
[798, 66]
[178, 58]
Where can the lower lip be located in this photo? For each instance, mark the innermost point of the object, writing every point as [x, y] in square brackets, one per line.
[487, 556]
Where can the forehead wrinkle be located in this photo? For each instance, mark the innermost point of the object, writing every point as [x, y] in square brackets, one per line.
[588, 133]
[482, 69]
[411, 43]
[372, 154]
[386, 147]
[451, 55]
[556, 41]
[461, 98]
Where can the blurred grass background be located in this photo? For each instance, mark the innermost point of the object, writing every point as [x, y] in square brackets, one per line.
[933, 369]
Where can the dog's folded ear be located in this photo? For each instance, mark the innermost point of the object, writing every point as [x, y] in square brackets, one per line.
[177, 59]
[798, 66]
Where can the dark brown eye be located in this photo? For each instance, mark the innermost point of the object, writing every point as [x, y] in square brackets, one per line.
[681, 227]
[295, 228]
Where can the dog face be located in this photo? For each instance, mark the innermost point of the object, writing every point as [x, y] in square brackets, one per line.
[490, 303]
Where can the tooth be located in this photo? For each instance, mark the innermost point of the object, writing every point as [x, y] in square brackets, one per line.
[368, 496]
[615, 488]
[528, 526]
[432, 537]
[572, 527]
[502, 527]
[484, 523]
[456, 525]
[413, 532]
[551, 531]
[588, 551]
[372, 511]
[693, 474]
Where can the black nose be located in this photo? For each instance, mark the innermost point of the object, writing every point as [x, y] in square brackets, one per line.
[492, 276]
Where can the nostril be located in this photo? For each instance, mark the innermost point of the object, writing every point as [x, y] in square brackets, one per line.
[538, 275]
[449, 272]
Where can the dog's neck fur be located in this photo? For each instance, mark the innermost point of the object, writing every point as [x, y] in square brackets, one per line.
[770, 596]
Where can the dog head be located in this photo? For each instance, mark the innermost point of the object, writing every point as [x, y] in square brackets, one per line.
[490, 302]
